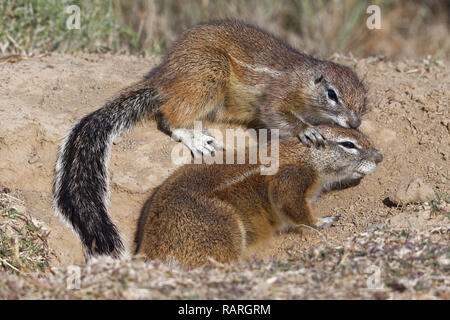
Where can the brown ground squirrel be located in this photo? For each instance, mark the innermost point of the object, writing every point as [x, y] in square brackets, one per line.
[222, 71]
[218, 211]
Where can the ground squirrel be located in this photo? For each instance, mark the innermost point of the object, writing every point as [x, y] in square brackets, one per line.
[218, 211]
[222, 71]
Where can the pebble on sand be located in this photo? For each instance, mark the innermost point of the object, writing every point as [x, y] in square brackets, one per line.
[413, 191]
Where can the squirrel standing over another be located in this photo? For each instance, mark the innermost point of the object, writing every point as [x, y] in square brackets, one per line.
[220, 211]
[223, 71]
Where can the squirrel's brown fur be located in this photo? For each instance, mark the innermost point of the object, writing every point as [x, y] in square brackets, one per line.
[218, 211]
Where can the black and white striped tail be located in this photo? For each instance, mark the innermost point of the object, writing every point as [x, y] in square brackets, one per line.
[81, 188]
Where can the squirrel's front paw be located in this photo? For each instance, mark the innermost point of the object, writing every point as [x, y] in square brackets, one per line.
[326, 222]
[311, 137]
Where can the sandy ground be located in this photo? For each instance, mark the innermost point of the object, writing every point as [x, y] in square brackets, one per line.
[41, 97]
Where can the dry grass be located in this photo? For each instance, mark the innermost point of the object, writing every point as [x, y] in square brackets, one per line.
[321, 27]
[23, 240]
[29, 27]
[409, 28]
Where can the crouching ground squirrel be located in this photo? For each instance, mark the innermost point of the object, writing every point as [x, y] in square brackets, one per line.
[223, 71]
[219, 211]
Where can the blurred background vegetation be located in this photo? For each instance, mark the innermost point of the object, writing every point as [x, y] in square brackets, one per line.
[409, 28]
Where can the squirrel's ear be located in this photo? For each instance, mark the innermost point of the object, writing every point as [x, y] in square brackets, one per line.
[318, 78]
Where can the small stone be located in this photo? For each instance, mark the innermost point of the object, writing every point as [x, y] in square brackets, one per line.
[414, 191]
[445, 156]
[430, 108]
[418, 97]
[446, 123]
[33, 159]
[401, 67]
[271, 280]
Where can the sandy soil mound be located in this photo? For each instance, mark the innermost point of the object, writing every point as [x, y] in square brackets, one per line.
[41, 97]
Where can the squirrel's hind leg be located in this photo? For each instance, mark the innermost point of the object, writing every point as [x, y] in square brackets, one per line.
[198, 141]
[192, 95]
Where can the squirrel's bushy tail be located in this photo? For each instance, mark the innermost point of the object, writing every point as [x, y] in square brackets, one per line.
[81, 188]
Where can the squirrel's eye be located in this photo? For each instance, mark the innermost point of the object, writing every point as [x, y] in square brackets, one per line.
[348, 145]
[332, 95]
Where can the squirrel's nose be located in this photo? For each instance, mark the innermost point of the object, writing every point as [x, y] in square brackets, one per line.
[378, 157]
[354, 122]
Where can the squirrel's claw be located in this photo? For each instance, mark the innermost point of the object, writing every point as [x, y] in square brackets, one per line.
[211, 142]
[312, 137]
[304, 140]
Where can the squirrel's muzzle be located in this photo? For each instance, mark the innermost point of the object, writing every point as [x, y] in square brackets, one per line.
[377, 157]
[354, 121]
